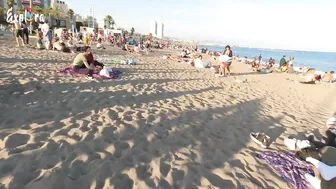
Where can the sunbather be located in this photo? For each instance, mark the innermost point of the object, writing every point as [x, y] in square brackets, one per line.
[325, 163]
[321, 155]
[328, 77]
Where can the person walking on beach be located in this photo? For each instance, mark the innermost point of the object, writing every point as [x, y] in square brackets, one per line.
[225, 66]
[18, 33]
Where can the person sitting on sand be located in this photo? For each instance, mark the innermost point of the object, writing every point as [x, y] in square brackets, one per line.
[90, 59]
[271, 62]
[328, 77]
[321, 155]
[200, 64]
[81, 64]
[58, 45]
[129, 48]
[100, 44]
[254, 64]
[183, 54]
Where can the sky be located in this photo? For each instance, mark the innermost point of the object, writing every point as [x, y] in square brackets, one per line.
[279, 24]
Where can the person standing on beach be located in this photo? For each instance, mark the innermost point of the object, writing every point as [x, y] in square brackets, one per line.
[260, 58]
[45, 30]
[25, 32]
[18, 32]
[282, 61]
[224, 67]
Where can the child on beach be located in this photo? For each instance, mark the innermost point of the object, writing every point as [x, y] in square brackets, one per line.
[100, 44]
[39, 43]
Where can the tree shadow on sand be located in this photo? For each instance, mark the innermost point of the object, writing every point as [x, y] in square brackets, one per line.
[187, 149]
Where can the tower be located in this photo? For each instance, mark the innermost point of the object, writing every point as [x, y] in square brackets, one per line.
[160, 28]
[153, 28]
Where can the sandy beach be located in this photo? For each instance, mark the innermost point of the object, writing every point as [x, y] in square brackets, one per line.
[162, 124]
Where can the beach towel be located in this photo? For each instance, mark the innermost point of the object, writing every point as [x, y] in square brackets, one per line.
[70, 72]
[112, 60]
[290, 168]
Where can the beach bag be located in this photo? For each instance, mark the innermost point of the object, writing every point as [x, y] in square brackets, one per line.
[131, 61]
[105, 71]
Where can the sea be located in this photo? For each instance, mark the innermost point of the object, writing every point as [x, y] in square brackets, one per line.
[322, 61]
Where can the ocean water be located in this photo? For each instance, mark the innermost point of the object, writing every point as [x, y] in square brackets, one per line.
[322, 61]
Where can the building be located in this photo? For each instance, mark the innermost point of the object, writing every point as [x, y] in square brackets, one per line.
[61, 5]
[160, 28]
[26, 3]
[79, 18]
[153, 28]
[156, 29]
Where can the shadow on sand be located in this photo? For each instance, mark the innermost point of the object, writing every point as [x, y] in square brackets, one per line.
[186, 148]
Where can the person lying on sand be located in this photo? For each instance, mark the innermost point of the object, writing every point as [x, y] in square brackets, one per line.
[60, 46]
[81, 64]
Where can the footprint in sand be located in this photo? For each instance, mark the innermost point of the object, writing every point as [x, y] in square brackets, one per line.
[74, 171]
[119, 147]
[164, 168]
[122, 181]
[15, 140]
[144, 171]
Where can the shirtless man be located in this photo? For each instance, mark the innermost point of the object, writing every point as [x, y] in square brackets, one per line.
[18, 32]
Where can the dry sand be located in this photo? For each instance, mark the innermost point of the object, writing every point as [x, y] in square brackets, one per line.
[161, 125]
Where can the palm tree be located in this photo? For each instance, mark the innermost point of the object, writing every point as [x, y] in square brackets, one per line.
[71, 13]
[19, 11]
[132, 31]
[3, 12]
[38, 10]
[10, 3]
[56, 12]
[109, 21]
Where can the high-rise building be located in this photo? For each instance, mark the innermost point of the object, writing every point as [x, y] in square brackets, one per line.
[160, 28]
[156, 29]
[153, 28]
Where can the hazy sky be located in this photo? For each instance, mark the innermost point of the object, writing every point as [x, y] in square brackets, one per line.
[306, 25]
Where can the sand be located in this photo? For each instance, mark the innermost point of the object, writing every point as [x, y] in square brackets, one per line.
[160, 125]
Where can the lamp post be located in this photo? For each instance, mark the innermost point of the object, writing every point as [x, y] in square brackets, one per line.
[31, 23]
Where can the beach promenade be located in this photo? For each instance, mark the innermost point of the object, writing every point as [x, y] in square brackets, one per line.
[162, 124]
